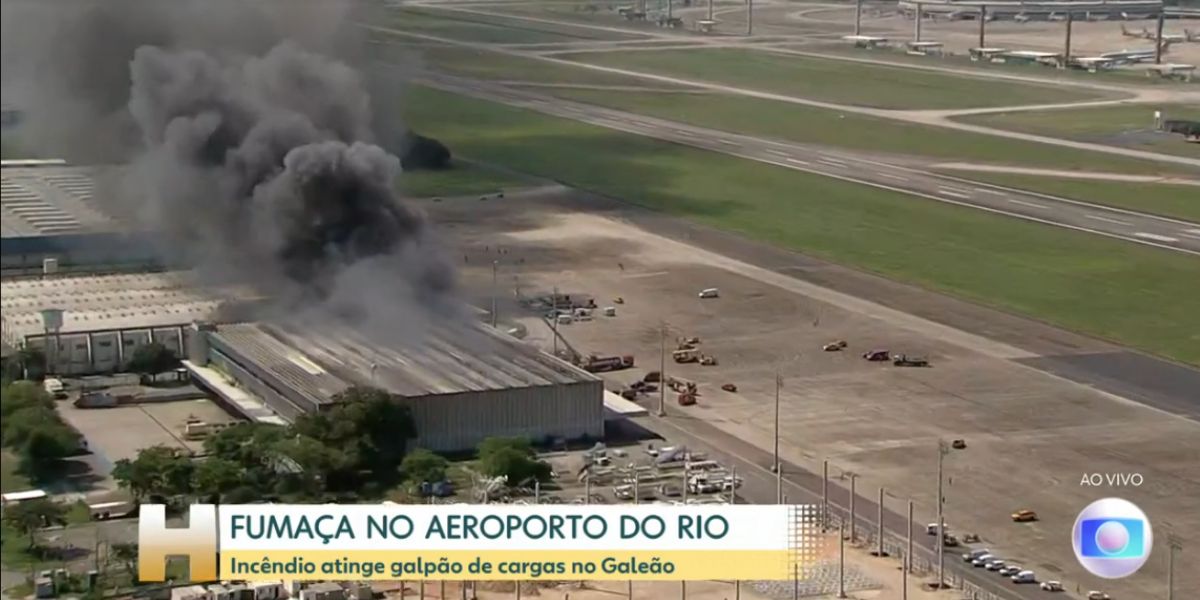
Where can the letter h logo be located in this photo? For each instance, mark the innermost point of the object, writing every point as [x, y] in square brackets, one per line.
[197, 542]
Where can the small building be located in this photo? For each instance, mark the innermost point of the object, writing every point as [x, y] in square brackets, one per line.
[326, 590]
[18, 497]
[189, 592]
[268, 590]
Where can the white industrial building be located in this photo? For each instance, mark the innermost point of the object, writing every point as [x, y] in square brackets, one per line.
[462, 383]
[88, 324]
[52, 222]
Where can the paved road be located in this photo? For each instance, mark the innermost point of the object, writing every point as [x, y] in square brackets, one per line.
[1151, 230]
[804, 487]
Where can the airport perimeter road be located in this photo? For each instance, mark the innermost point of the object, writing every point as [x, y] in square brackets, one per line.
[804, 487]
[1141, 228]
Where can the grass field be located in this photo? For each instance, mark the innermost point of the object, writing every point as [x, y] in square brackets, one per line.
[1124, 125]
[481, 64]
[1168, 200]
[806, 124]
[834, 80]
[461, 180]
[1073, 279]
[491, 30]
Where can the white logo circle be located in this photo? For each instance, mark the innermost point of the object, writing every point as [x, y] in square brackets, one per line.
[1112, 538]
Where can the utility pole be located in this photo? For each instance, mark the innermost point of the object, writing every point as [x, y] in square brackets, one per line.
[982, 24]
[669, 9]
[537, 492]
[858, 17]
[943, 450]
[733, 485]
[879, 522]
[495, 268]
[778, 384]
[853, 496]
[1173, 544]
[917, 25]
[1067, 48]
[795, 581]
[907, 566]
[1158, 41]
[710, 10]
[841, 562]
[749, 17]
[554, 322]
[825, 493]
[779, 485]
[682, 590]
[587, 487]
[662, 371]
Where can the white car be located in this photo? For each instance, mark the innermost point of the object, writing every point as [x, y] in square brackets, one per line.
[932, 528]
[1010, 570]
[974, 554]
[1052, 586]
[1025, 577]
[1094, 595]
[983, 560]
[994, 565]
[709, 293]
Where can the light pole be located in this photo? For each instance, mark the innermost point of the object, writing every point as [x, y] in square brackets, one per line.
[662, 371]
[841, 562]
[778, 385]
[943, 450]
[495, 268]
[853, 495]
[1173, 544]
[825, 493]
[907, 566]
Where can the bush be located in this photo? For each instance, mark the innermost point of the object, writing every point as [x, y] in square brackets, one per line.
[422, 466]
[424, 153]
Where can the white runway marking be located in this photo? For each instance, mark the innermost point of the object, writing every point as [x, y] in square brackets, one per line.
[1029, 204]
[729, 142]
[892, 177]
[796, 161]
[832, 163]
[1107, 220]
[682, 132]
[777, 153]
[990, 191]
[650, 274]
[1155, 237]
[954, 193]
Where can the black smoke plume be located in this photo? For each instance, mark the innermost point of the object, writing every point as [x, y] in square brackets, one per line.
[248, 137]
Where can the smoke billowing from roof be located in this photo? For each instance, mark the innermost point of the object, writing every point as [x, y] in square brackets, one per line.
[248, 143]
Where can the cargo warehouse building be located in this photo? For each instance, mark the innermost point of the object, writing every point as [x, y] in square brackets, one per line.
[52, 223]
[463, 384]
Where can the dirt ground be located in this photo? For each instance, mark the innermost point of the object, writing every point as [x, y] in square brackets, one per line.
[116, 433]
[1031, 436]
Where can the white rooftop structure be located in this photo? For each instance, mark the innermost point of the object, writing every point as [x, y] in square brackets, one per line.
[46, 198]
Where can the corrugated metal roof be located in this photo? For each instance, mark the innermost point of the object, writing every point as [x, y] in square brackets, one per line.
[51, 200]
[103, 302]
[451, 358]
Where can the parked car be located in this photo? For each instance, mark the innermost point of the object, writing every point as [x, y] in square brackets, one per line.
[1052, 586]
[994, 565]
[1010, 570]
[974, 554]
[904, 360]
[709, 293]
[1095, 595]
[1024, 516]
[950, 540]
[1025, 577]
[834, 346]
[877, 355]
[983, 560]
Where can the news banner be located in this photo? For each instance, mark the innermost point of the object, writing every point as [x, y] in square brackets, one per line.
[482, 542]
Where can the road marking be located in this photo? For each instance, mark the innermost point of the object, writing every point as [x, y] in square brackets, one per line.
[728, 142]
[831, 161]
[1155, 237]
[1029, 204]
[892, 177]
[1107, 220]
[683, 132]
[777, 152]
[1192, 231]
[1194, 236]
[991, 191]
[947, 192]
[796, 161]
[651, 274]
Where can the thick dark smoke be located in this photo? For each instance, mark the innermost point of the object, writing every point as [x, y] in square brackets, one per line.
[249, 140]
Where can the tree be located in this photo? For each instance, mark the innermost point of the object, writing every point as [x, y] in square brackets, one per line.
[23, 394]
[513, 458]
[157, 470]
[26, 363]
[422, 466]
[423, 153]
[367, 425]
[151, 359]
[215, 477]
[30, 516]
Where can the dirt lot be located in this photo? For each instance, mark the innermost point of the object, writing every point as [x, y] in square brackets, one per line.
[1031, 436]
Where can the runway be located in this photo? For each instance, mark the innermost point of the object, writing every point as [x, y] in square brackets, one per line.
[1141, 228]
